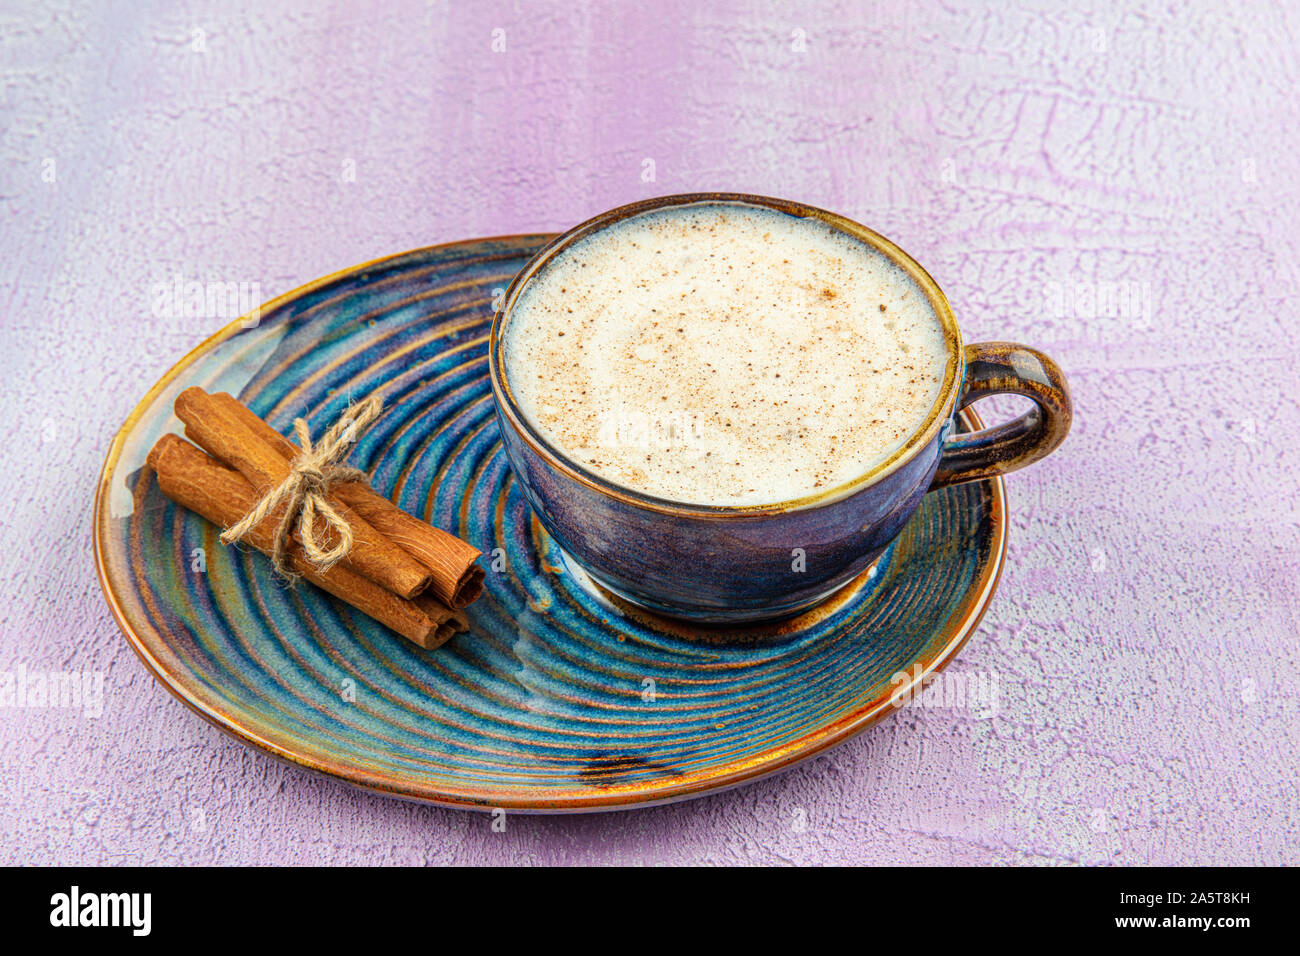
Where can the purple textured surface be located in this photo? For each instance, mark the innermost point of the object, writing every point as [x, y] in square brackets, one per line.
[1115, 186]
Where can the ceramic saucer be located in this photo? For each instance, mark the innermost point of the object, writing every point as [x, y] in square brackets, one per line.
[561, 697]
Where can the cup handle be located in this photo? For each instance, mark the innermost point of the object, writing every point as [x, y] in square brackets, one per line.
[995, 368]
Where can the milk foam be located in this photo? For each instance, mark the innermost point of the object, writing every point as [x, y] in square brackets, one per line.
[724, 354]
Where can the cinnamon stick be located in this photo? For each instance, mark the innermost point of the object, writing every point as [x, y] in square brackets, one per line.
[229, 438]
[196, 481]
[457, 578]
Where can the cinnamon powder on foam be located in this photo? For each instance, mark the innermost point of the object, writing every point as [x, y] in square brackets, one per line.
[724, 354]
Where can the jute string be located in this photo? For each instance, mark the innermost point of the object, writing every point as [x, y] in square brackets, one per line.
[304, 492]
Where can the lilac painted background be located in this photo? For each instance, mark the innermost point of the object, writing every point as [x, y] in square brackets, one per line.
[1039, 162]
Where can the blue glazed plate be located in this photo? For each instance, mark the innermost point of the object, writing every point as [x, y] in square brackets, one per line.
[559, 698]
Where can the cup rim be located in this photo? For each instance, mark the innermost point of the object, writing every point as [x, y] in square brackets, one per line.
[939, 414]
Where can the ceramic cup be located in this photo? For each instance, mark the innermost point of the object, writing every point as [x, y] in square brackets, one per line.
[725, 564]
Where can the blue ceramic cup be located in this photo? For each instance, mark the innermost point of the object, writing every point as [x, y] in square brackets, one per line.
[732, 564]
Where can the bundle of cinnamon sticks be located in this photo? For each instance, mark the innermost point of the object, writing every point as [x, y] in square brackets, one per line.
[403, 572]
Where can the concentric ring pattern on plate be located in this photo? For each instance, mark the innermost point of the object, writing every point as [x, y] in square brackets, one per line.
[559, 698]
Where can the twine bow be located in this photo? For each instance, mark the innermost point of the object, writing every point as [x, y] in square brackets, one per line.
[304, 492]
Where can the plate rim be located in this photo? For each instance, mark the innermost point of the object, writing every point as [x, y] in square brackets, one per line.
[975, 603]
